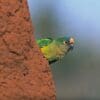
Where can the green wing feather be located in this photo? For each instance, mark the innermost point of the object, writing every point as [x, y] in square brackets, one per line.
[44, 42]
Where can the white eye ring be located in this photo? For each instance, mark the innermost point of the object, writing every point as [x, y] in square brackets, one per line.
[65, 42]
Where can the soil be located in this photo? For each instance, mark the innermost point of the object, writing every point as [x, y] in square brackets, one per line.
[24, 72]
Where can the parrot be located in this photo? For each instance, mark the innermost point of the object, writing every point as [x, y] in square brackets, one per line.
[55, 49]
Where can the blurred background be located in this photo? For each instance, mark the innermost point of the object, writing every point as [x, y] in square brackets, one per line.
[77, 75]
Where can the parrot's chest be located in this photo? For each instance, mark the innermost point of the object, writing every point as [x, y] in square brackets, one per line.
[54, 51]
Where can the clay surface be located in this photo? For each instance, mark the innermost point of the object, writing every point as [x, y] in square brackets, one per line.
[24, 72]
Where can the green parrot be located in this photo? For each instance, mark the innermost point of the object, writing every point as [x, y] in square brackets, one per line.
[55, 49]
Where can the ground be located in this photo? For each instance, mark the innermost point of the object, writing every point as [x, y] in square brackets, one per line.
[24, 72]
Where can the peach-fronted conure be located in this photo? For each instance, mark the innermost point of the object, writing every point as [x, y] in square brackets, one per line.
[55, 49]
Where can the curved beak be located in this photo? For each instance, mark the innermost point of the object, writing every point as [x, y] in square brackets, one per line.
[71, 41]
[71, 44]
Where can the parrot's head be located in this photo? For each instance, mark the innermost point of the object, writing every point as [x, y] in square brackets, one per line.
[68, 42]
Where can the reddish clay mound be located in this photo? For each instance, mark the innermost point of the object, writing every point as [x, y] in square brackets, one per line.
[24, 73]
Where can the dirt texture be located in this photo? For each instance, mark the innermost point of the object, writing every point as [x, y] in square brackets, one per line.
[24, 72]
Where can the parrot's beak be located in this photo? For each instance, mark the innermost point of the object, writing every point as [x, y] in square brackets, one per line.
[71, 41]
[71, 44]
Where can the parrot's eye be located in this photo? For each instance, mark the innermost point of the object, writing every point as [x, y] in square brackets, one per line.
[65, 42]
